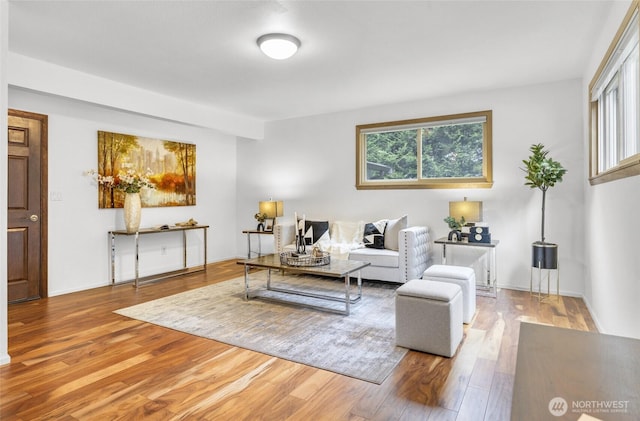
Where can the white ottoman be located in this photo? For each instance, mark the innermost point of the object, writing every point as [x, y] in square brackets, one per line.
[465, 277]
[429, 317]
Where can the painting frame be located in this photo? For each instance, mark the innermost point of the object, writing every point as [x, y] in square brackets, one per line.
[268, 224]
[169, 165]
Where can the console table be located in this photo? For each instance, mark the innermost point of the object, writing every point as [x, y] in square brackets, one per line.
[146, 231]
[490, 287]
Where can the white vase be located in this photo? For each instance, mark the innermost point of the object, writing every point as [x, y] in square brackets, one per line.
[132, 210]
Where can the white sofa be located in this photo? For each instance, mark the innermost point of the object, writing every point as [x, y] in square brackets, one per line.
[402, 261]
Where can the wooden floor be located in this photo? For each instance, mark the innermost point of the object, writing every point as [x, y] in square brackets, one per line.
[74, 359]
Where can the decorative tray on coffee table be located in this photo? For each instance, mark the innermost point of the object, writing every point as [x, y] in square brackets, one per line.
[291, 258]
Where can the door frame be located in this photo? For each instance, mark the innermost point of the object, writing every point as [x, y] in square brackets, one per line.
[44, 194]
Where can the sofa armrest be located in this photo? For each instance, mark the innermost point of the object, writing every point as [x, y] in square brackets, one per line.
[414, 244]
[283, 234]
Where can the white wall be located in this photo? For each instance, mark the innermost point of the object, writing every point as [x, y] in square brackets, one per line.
[40, 76]
[309, 163]
[612, 283]
[4, 35]
[78, 244]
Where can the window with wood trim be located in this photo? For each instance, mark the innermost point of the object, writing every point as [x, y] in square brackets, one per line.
[451, 151]
[615, 106]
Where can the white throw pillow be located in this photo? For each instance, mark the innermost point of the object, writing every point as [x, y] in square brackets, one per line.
[392, 231]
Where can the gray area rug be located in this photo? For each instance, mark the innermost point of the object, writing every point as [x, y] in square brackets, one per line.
[361, 345]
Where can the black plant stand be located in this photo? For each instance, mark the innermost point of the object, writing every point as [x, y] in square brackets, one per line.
[544, 258]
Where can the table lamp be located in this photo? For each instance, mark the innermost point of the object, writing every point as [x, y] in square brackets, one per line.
[272, 209]
[471, 211]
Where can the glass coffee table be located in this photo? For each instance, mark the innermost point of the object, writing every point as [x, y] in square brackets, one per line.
[335, 269]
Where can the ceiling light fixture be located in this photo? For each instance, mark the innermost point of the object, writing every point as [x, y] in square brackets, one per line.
[278, 46]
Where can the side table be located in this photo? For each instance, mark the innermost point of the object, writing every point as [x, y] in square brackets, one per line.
[249, 233]
[488, 286]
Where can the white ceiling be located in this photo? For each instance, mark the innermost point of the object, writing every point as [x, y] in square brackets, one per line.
[354, 53]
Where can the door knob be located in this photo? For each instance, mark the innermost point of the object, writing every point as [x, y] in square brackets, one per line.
[33, 218]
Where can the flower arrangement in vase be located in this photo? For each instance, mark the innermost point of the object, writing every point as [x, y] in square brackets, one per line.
[129, 183]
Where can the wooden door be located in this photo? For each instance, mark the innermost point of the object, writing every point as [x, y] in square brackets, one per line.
[27, 206]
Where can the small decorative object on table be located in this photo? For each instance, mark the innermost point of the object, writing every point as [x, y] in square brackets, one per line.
[455, 234]
[268, 224]
[316, 258]
[190, 223]
[260, 217]
[301, 246]
[479, 234]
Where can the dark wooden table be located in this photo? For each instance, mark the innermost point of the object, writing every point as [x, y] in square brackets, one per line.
[575, 372]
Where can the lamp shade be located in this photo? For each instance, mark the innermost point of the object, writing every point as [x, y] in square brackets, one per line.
[472, 211]
[272, 208]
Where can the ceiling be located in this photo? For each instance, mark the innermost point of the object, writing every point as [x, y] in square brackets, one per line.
[354, 54]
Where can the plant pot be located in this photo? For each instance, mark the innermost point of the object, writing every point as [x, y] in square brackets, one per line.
[132, 210]
[544, 255]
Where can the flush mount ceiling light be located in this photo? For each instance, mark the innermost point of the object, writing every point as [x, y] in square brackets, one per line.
[278, 46]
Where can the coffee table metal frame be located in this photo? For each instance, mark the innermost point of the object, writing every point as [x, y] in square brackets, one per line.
[335, 269]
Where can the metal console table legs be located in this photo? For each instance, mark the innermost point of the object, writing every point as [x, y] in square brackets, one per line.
[137, 280]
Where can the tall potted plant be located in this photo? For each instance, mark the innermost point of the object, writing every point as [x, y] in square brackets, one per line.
[543, 173]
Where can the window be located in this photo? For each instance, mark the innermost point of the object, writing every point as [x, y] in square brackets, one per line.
[452, 151]
[615, 106]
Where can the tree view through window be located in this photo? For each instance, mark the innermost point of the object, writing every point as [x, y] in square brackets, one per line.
[449, 151]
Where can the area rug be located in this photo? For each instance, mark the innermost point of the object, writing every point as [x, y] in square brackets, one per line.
[361, 345]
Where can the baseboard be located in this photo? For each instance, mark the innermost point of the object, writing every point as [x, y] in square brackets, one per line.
[562, 292]
[593, 315]
[55, 293]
